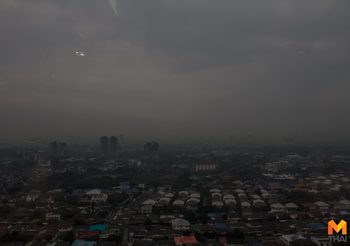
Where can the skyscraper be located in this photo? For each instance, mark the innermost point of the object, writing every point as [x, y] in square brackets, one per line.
[151, 150]
[113, 141]
[53, 149]
[57, 149]
[104, 144]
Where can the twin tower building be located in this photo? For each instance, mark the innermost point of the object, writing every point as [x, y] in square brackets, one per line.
[109, 146]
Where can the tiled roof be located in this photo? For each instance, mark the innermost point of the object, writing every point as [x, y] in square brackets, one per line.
[183, 240]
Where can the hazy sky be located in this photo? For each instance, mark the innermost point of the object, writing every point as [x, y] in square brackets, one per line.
[162, 68]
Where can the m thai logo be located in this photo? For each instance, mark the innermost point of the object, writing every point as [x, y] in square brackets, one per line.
[337, 232]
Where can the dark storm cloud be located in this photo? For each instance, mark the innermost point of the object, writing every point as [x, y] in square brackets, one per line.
[270, 68]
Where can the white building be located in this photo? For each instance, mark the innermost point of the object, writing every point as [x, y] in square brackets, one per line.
[96, 196]
[178, 203]
[245, 205]
[149, 202]
[258, 203]
[290, 207]
[218, 204]
[146, 209]
[277, 208]
[180, 224]
[53, 217]
[192, 202]
[205, 167]
[322, 206]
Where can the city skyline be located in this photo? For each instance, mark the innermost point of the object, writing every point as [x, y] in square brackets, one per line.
[174, 122]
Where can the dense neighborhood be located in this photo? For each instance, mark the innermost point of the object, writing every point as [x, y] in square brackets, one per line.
[167, 196]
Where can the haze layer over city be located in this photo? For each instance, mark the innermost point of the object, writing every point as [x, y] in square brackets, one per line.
[174, 122]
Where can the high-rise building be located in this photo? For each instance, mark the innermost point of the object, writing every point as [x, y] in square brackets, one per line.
[113, 141]
[53, 148]
[104, 144]
[57, 149]
[151, 150]
[61, 149]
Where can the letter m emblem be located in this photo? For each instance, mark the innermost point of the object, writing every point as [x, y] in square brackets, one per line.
[342, 226]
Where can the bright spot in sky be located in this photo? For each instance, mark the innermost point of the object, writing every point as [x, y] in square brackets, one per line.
[79, 53]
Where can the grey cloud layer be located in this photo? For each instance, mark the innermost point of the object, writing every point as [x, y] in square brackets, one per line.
[271, 68]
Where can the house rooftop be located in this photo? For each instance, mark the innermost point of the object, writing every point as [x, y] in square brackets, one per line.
[183, 240]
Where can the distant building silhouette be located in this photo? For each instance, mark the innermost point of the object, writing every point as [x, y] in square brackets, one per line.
[109, 146]
[53, 148]
[57, 149]
[62, 149]
[205, 167]
[113, 141]
[151, 150]
[104, 144]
